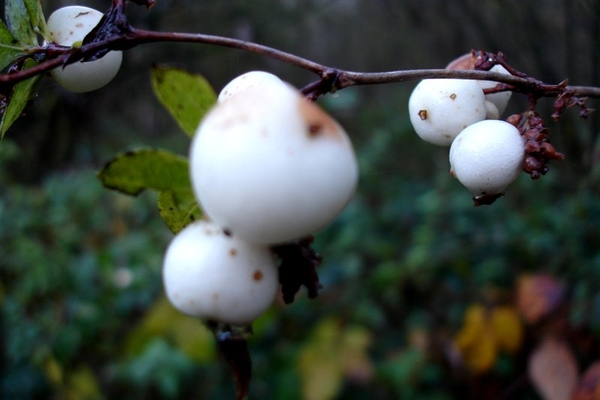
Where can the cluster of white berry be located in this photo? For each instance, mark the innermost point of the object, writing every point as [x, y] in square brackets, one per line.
[486, 154]
[68, 26]
[268, 167]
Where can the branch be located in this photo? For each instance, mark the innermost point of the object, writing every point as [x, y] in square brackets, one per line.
[123, 37]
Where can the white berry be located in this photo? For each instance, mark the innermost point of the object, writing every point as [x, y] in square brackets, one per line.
[487, 156]
[213, 276]
[247, 80]
[499, 99]
[270, 166]
[68, 26]
[440, 108]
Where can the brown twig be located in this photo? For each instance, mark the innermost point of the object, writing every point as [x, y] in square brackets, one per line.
[329, 78]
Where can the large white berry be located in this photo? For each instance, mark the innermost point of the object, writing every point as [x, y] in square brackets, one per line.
[247, 80]
[68, 26]
[213, 276]
[270, 166]
[487, 156]
[440, 108]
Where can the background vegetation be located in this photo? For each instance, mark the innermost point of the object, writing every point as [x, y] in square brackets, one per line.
[424, 296]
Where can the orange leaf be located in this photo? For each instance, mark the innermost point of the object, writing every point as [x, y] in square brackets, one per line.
[538, 295]
[553, 370]
[589, 385]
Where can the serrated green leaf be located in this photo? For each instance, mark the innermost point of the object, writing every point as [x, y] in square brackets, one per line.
[186, 96]
[17, 101]
[36, 15]
[9, 50]
[18, 21]
[159, 170]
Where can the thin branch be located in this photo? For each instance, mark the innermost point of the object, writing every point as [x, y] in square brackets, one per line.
[330, 78]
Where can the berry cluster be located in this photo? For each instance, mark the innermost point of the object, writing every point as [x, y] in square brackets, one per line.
[486, 154]
[269, 168]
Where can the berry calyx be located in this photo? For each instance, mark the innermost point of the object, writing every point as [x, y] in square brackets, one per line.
[68, 26]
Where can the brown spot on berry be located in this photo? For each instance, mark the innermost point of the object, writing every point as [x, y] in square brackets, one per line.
[453, 96]
[318, 122]
[423, 115]
[257, 276]
[232, 252]
[314, 129]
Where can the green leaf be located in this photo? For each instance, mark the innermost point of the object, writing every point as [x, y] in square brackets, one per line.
[177, 211]
[17, 100]
[186, 96]
[36, 15]
[159, 170]
[9, 50]
[18, 21]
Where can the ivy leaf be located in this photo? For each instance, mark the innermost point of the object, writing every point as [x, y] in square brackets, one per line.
[14, 101]
[18, 21]
[186, 96]
[167, 173]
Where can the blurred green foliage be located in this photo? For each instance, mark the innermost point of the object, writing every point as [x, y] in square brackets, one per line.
[83, 310]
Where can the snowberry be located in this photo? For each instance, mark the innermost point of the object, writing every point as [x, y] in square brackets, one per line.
[440, 108]
[487, 156]
[214, 276]
[68, 26]
[247, 80]
[500, 99]
[270, 166]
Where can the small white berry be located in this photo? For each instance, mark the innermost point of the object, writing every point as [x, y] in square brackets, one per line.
[440, 108]
[487, 156]
[213, 276]
[270, 166]
[68, 26]
[499, 99]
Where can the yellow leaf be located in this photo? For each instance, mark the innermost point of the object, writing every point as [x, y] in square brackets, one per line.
[354, 355]
[475, 340]
[194, 339]
[53, 370]
[473, 327]
[188, 333]
[319, 362]
[82, 384]
[320, 372]
[507, 329]
[481, 355]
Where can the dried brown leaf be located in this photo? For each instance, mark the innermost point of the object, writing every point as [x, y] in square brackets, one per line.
[538, 295]
[589, 385]
[553, 370]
